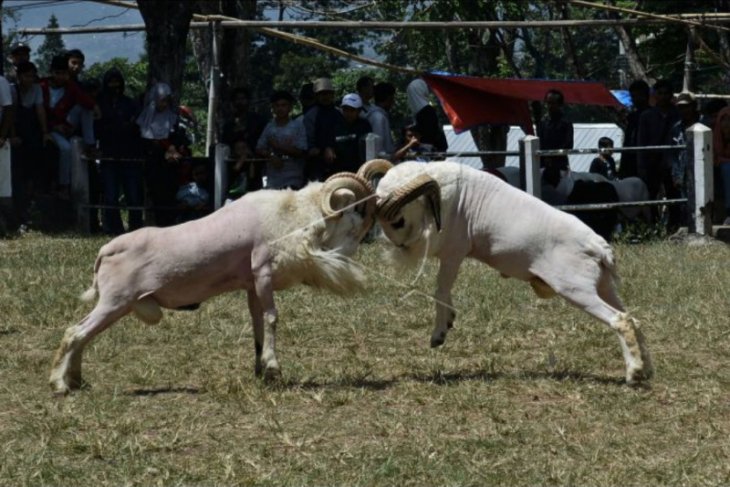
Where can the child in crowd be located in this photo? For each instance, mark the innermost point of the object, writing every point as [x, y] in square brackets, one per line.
[193, 198]
[413, 147]
[604, 163]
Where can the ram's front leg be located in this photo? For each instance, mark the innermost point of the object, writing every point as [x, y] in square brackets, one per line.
[445, 313]
[265, 295]
[257, 320]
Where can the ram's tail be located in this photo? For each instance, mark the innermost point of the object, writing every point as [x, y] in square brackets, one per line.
[604, 253]
[90, 293]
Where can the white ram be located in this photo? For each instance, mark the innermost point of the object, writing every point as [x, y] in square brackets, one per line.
[450, 211]
[265, 241]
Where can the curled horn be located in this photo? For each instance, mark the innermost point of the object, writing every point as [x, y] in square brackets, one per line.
[347, 180]
[374, 168]
[423, 185]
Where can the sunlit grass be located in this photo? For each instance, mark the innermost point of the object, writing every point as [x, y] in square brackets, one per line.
[523, 392]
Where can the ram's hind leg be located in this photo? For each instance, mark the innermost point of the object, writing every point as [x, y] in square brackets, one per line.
[66, 369]
[583, 292]
[630, 336]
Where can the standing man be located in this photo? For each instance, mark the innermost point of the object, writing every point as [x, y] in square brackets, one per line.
[319, 123]
[655, 167]
[555, 133]
[350, 136]
[639, 92]
[384, 96]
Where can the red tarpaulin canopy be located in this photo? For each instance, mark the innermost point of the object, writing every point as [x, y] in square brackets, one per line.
[470, 101]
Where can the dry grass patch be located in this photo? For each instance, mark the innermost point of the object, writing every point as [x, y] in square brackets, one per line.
[523, 392]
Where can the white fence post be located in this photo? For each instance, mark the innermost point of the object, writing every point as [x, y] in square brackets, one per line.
[220, 175]
[373, 146]
[80, 185]
[530, 165]
[699, 138]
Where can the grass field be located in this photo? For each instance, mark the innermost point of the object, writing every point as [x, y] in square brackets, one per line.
[524, 392]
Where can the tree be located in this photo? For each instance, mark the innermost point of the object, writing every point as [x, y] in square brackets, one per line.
[166, 25]
[52, 46]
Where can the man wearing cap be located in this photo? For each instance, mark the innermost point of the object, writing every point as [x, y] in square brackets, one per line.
[350, 133]
[19, 53]
[682, 172]
[319, 123]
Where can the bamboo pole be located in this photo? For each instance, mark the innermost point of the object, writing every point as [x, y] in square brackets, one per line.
[664, 18]
[375, 25]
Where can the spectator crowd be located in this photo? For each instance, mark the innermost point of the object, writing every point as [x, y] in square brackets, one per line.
[138, 149]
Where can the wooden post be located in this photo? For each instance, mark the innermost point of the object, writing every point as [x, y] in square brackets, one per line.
[530, 165]
[373, 146]
[80, 185]
[699, 145]
[222, 152]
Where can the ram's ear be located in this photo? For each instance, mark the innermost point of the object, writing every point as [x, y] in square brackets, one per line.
[422, 185]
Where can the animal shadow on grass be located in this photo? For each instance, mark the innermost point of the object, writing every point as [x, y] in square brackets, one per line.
[155, 391]
[450, 378]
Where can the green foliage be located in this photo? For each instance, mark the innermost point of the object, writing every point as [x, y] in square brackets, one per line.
[135, 74]
[52, 46]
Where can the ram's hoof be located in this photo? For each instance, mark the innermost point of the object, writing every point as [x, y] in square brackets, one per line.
[59, 390]
[438, 340]
[638, 375]
[272, 374]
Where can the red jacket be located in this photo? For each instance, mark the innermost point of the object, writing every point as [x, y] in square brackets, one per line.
[73, 95]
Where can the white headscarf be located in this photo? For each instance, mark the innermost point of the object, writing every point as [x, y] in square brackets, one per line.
[156, 125]
[417, 93]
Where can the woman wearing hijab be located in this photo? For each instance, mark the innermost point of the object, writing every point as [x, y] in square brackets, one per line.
[165, 144]
[721, 145]
[424, 115]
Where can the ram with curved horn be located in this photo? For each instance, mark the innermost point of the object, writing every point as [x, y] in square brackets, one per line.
[450, 211]
[263, 242]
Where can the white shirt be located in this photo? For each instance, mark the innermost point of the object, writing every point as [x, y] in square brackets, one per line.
[380, 124]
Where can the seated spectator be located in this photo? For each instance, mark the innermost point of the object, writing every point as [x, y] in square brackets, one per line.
[350, 133]
[241, 132]
[413, 148]
[193, 198]
[60, 95]
[425, 117]
[119, 139]
[604, 163]
[19, 53]
[164, 144]
[284, 143]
